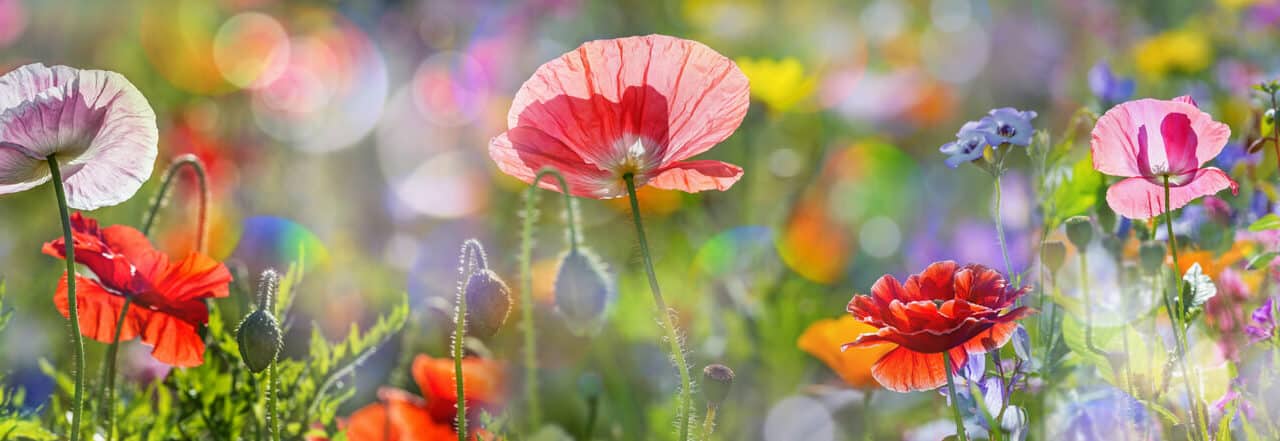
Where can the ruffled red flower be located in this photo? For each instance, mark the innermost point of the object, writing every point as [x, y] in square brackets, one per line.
[402, 416]
[637, 105]
[946, 308]
[168, 297]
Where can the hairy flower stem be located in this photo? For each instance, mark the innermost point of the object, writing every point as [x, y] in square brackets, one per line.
[77, 342]
[1180, 329]
[709, 423]
[273, 419]
[951, 392]
[472, 260]
[685, 408]
[202, 232]
[526, 286]
[1004, 249]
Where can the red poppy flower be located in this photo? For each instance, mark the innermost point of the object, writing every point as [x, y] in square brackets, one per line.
[402, 416]
[635, 105]
[946, 308]
[168, 297]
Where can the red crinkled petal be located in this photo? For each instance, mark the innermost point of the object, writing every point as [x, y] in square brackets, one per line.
[905, 370]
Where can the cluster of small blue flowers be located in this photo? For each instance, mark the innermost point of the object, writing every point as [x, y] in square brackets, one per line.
[1001, 126]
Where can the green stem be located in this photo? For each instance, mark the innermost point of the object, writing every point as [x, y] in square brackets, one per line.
[202, 232]
[1088, 304]
[709, 423]
[955, 403]
[273, 421]
[677, 352]
[593, 410]
[1180, 330]
[526, 286]
[77, 342]
[1004, 249]
[469, 264]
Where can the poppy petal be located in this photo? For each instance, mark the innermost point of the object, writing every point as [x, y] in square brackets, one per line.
[991, 339]
[370, 424]
[435, 376]
[196, 276]
[99, 310]
[1139, 198]
[1180, 143]
[905, 370]
[823, 340]
[20, 170]
[696, 176]
[408, 416]
[523, 151]
[174, 342]
[934, 283]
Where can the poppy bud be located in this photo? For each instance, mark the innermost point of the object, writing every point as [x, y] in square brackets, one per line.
[1080, 232]
[488, 303]
[258, 334]
[1151, 254]
[1053, 254]
[719, 378]
[582, 289]
[260, 340]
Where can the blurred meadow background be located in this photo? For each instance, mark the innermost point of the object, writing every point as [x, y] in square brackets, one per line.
[355, 134]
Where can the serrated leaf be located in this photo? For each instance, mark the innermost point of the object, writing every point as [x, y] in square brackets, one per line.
[1268, 222]
[1197, 287]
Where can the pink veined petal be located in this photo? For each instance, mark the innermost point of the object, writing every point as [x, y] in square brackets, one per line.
[1186, 99]
[1180, 143]
[24, 83]
[1115, 139]
[696, 176]
[19, 170]
[122, 154]
[1139, 198]
[523, 151]
[676, 94]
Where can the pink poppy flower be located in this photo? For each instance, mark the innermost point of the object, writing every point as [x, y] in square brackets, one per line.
[1152, 141]
[635, 105]
[99, 127]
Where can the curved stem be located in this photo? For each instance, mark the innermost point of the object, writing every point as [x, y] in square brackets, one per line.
[526, 285]
[951, 391]
[77, 342]
[202, 232]
[1004, 249]
[677, 352]
[1180, 330]
[472, 257]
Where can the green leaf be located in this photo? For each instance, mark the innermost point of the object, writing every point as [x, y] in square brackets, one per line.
[1076, 193]
[1197, 289]
[1268, 222]
[1261, 260]
[1224, 425]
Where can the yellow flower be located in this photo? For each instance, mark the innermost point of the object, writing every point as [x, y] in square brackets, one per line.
[824, 338]
[1179, 51]
[1236, 4]
[779, 84]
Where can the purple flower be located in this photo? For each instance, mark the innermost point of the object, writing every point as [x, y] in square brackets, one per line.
[1264, 322]
[969, 143]
[1011, 126]
[1109, 88]
[1234, 153]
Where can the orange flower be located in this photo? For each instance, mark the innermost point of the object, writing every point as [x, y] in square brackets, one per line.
[824, 338]
[402, 416]
[1211, 263]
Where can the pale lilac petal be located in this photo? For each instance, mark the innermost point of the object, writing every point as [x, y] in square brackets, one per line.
[1139, 198]
[96, 124]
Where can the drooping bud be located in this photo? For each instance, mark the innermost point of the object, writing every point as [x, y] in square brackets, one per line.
[583, 289]
[1053, 254]
[719, 379]
[1151, 255]
[1080, 232]
[488, 303]
[259, 335]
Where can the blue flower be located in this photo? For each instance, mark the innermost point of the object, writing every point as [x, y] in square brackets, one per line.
[1109, 88]
[970, 141]
[1011, 126]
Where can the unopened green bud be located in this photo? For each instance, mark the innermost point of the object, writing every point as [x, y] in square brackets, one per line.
[259, 335]
[1080, 232]
[1053, 254]
[582, 289]
[719, 379]
[260, 340]
[1151, 255]
[488, 303]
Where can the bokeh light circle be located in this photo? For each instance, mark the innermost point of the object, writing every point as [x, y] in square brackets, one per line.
[450, 88]
[799, 417]
[251, 49]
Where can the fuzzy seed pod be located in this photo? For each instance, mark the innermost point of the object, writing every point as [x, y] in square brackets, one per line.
[582, 289]
[1053, 255]
[488, 303]
[260, 340]
[719, 379]
[1080, 232]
